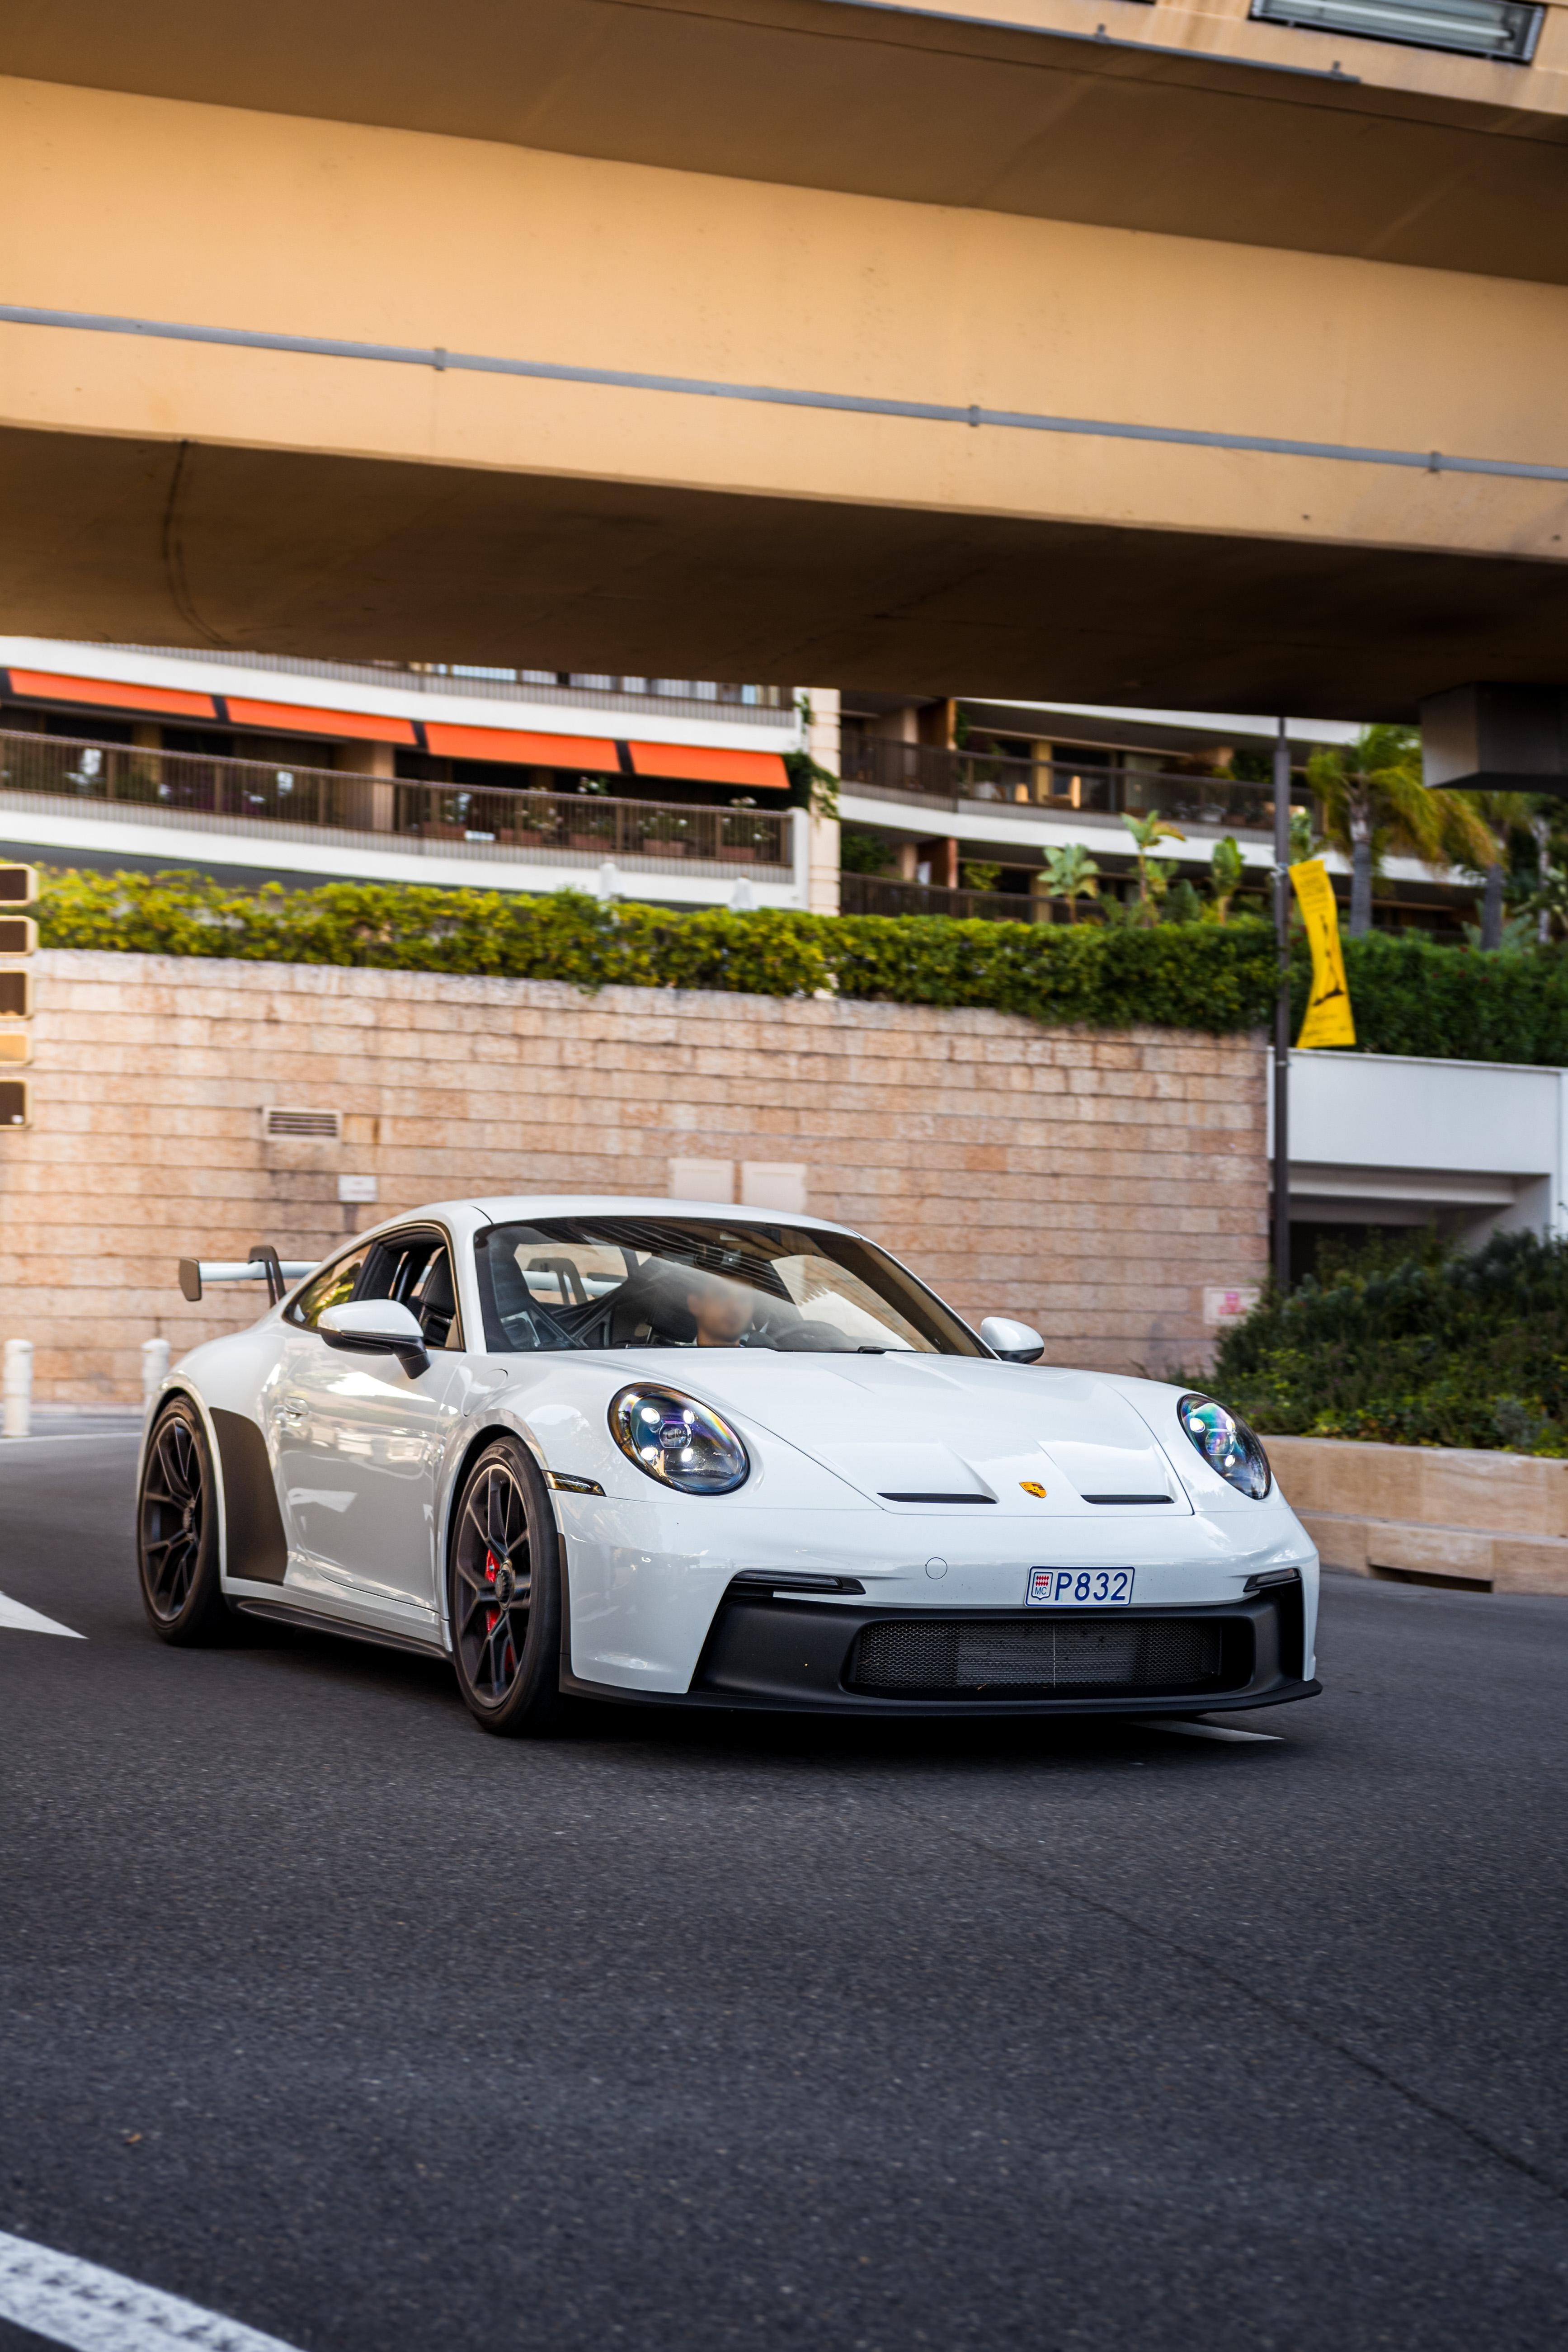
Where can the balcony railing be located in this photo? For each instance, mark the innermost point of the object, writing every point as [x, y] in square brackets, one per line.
[1063, 787]
[532, 826]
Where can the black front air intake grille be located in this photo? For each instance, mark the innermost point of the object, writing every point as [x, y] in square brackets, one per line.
[985, 1656]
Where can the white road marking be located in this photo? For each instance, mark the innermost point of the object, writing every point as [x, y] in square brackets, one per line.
[93, 2310]
[16, 1617]
[1188, 1729]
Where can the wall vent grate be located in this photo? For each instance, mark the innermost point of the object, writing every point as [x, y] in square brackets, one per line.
[317, 1126]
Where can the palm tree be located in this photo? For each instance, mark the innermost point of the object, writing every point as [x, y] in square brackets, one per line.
[1071, 871]
[1374, 801]
[1153, 880]
[1501, 814]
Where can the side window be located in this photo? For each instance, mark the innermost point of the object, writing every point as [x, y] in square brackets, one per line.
[335, 1287]
[435, 1301]
[416, 1270]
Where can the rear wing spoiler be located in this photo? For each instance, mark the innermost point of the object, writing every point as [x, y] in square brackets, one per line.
[263, 1264]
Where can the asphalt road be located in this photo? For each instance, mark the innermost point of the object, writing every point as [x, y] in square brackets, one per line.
[323, 2008]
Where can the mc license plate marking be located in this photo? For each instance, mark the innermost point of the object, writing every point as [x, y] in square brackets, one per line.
[1079, 1588]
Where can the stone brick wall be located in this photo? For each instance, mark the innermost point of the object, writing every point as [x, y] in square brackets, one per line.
[1094, 1184]
[1434, 1513]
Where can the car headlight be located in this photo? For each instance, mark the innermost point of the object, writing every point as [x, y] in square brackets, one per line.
[680, 1443]
[1227, 1444]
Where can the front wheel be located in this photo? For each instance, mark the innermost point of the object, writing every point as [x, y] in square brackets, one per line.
[176, 1530]
[504, 1594]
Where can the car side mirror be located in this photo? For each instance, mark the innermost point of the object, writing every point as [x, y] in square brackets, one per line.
[1016, 1343]
[377, 1327]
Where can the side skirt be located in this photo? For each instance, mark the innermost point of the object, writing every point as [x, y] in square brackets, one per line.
[311, 1620]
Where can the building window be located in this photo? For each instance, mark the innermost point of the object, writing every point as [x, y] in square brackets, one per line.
[1506, 29]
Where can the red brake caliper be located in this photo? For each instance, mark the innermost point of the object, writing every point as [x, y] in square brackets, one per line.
[492, 1564]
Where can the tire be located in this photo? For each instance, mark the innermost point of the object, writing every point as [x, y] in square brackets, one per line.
[177, 1531]
[503, 1595]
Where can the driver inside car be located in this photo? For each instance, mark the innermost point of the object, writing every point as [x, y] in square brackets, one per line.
[721, 1310]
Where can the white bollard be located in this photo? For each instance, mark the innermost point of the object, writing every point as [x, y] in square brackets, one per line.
[155, 1371]
[18, 1387]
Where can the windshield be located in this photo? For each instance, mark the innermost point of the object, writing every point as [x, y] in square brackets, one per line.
[686, 1282]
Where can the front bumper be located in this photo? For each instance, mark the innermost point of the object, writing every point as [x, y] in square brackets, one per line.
[771, 1650]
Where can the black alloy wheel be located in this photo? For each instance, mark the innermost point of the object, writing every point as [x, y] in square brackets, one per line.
[176, 1530]
[503, 1593]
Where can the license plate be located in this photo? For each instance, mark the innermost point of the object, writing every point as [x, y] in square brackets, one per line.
[1079, 1588]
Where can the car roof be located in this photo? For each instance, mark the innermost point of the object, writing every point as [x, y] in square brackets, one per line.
[523, 1207]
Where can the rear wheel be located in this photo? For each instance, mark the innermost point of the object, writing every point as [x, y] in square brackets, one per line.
[176, 1530]
[503, 1593]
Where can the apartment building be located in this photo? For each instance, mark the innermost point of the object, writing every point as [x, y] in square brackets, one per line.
[683, 791]
[251, 768]
[954, 806]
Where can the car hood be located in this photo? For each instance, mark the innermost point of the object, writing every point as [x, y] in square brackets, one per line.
[912, 1432]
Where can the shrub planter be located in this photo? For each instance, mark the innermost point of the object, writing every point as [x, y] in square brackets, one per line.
[1430, 1513]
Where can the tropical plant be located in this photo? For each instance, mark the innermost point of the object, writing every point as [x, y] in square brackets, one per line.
[1071, 874]
[1154, 874]
[1183, 905]
[1226, 871]
[821, 785]
[1374, 804]
[1549, 905]
[1304, 842]
[1516, 937]
[980, 876]
[1502, 815]
[863, 853]
[815, 786]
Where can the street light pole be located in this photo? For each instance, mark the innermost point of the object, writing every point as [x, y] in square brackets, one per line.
[1282, 1010]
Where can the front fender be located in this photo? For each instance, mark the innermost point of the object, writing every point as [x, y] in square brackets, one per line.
[492, 1415]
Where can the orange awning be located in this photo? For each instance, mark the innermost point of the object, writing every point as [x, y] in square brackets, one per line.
[594, 751]
[301, 718]
[110, 694]
[695, 765]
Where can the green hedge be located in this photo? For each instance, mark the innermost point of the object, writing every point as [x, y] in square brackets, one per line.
[1409, 997]
[1432, 1350]
[1195, 977]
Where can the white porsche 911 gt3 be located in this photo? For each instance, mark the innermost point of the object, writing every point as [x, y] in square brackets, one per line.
[669, 1453]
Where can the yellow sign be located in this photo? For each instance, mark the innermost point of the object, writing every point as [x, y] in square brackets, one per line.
[1328, 1021]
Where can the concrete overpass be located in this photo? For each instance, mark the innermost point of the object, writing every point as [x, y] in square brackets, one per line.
[1119, 352]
